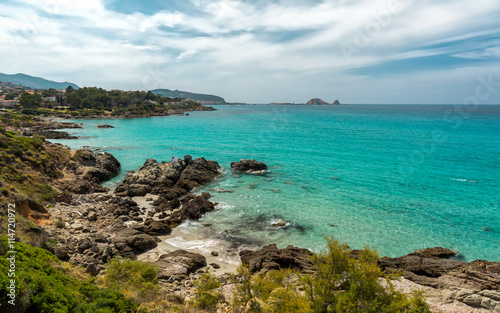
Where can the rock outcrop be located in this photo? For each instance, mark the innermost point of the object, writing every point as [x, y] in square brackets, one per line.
[172, 179]
[177, 265]
[476, 283]
[316, 101]
[248, 166]
[272, 258]
[89, 169]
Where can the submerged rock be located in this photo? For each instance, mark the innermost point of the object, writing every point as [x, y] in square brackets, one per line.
[105, 126]
[248, 166]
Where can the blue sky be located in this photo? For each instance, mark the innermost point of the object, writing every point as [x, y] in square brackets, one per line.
[357, 51]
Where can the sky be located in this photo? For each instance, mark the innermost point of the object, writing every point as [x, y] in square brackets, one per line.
[356, 51]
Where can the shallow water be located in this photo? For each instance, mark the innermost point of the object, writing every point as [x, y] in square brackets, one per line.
[394, 177]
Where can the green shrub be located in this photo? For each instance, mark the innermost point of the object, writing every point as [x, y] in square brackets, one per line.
[44, 284]
[206, 296]
[136, 279]
[340, 284]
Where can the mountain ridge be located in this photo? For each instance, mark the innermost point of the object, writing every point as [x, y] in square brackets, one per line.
[198, 97]
[35, 82]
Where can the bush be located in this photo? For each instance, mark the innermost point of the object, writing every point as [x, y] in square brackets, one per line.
[340, 284]
[136, 279]
[44, 284]
[206, 296]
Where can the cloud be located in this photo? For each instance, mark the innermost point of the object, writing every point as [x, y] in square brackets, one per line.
[209, 45]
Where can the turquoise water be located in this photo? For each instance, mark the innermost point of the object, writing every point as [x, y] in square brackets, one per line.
[397, 178]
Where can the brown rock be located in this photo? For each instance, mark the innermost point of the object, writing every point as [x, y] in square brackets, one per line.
[248, 166]
[271, 258]
[179, 264]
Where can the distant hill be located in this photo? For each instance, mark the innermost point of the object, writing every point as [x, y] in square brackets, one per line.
[198, 97]
[35, 82]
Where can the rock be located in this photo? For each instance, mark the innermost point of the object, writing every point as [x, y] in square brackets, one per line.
[92, 270]
[197, 173]
[77, 226]
[135, 240]
[215, 265]
[62, 253]
[437, 252]
[214, 253]
[80, 186]
[105, 126]
[279, 223]
[316, 101]
[158, 228]
[336, 102]
[84, 246]
[248, 166]
[170, 180]
[90, 169]
[474, 283]
[271, 258]
[179, 264]
[51, 134]
[92, 216]
[193, 209]
[102, 166]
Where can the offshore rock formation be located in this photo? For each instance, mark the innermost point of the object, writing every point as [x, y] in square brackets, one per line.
[248, 166]
[316, 101]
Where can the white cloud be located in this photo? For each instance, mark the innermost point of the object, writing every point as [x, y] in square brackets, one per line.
[236, 47]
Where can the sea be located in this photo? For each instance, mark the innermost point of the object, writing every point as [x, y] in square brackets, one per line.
[395, 178]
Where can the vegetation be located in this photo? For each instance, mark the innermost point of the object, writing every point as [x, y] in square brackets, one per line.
[136, 279]
[44, 284]
[340, 284]
[28, 100]
[28, 167]
[91, 101]
[206, 297]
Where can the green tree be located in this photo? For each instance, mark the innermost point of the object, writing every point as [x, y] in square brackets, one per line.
[69, 89]
[10, 96]
[30, 100]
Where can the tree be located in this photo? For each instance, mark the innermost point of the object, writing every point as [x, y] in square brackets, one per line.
[10, 96]
[69, 89]
[30, 100]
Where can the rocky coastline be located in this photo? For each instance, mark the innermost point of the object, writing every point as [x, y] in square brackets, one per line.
[92, 224]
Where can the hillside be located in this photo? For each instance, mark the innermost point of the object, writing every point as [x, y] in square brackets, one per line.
[198, 97]
[35, 82]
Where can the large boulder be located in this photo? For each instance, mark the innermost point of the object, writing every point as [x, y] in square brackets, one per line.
[248, 166]
[130, 242]
[192, 209]
[157, 228]
[102, 166]
[272, 258]
[90, 170]
[170, 180]
[198, 173]
[179, 264]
